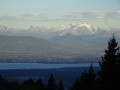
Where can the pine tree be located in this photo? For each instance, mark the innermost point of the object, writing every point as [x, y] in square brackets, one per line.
[109, 66]
[91, 78]
[39, 85]
[76, 85]
[28, 85]
[117, 71]
[60, 85]
[14, 86]
[4, 83]
[29, 82]
[84, 81]
[87, 80]
[51, 83]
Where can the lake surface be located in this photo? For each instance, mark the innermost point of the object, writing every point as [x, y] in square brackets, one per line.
[4, 66]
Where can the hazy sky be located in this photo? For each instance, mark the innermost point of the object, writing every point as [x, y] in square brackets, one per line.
[24, 13]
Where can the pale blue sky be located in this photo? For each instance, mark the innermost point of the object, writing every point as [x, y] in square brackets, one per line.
[23, 13]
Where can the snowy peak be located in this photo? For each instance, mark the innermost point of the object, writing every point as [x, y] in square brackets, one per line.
[37, 29]
[64, 27]
[73, 29]
[85, 25]
[78, 29]
[3, 28]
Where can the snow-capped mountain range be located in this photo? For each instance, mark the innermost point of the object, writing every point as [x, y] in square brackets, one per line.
[79, 29]
[74, 29]
[70, 42]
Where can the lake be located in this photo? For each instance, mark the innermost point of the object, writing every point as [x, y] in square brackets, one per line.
[5, 66]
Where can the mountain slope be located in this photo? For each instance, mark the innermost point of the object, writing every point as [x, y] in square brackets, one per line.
[23, 48]
[25, 43]
[67, 43]
[30, 49]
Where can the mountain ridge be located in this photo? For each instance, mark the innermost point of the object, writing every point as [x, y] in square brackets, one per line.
[68, 43]
[31, 49]
[75, 29]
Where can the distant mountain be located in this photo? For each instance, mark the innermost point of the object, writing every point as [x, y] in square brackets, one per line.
[30, 49]
[79, 29]
[85, 43]
[13, 48]
[83, 35]
[3, 28]
[69, 40]
[74, 29]
[79, 42]
[26, 43]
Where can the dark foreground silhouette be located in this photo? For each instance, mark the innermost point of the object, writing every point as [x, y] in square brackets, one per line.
[107, 78]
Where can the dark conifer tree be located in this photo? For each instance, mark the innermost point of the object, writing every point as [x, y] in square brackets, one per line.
[28, 85]
[60, 85]
[76, 85]
[29, 82]
[84, 81]
[4, 85]
[110, 67]
[39, 85]
[117, 71]
[14, 86]
[87, 80]
[51, 83]
[91, 78]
